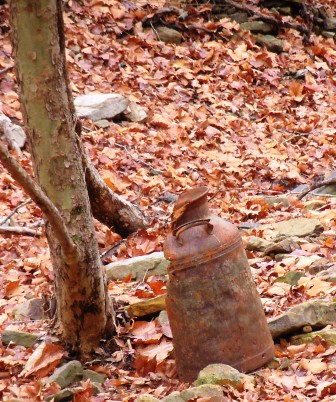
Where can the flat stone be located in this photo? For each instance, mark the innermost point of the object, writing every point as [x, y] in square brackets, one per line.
[136, 113]
[271, 43]
[239, 17]
[93, 376]
[256, 27]
[328, 34]
[203, 391]
[96, 106]
[257, 244]
[18, 338]
[67, 374]
[222, 374]
[330, 24]
[138, 267]
[163, 317]
[14, 134]
[32, 309]
[64, 395]
[297, 227]
[102, 123]
[316, 313]
[329, 335]
[328, 275]
[282, 247]
[169, 35]
[147, 306]
[314, 204]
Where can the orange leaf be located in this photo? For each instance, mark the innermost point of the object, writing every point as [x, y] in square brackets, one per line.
[295, 91]
[43, 361]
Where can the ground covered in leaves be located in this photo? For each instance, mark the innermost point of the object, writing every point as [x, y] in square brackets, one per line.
[222, 112]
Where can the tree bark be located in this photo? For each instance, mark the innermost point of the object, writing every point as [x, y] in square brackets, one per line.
[83, 309]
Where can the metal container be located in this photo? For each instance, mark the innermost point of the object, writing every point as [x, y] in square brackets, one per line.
[213, 307]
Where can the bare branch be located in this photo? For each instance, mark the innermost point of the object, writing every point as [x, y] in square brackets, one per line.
[7, 218]
[20, 230]
[39, 197]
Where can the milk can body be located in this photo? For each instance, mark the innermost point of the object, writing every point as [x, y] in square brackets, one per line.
[213, 307]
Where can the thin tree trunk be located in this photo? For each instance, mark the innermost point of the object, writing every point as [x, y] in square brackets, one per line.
[83, 308]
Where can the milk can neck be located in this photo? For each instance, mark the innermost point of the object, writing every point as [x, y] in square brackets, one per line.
[190, 206]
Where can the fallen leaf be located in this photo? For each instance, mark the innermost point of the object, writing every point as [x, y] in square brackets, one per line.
[43, 360]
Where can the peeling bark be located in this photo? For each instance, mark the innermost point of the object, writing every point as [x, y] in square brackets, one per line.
[84, 312]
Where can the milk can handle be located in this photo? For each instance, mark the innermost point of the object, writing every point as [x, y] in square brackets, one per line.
[177, 232]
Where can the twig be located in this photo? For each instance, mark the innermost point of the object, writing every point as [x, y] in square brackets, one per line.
[4, 220]
[20, 230]
[112, 249]
[37, 224]
[296, 135]
[37, 195]
[137, 159]
[3, 71]
[316, 185]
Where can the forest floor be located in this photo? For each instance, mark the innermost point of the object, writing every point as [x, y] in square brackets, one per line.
[222, 112]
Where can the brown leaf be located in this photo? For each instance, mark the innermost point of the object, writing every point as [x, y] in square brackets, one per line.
[146, 332]
[315, 366]
[43, 361]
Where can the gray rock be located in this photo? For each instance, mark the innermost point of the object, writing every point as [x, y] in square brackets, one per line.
[147, 398]
[163, 317]
[137, 113]
[32, 309]
[328, 190]
[256, 27]
[300, 227]
[102, 123]
[314, 204]
[257, 244]
[282, 247]
[329, 335]
[271, 43]
[328, 275]
[18, 338]
[93, 376]
[316, 313]
[62, 396]
[222, 374]
[67, 374]
[328, 34]
[169, 35]
[239, 16]
[330, 24]
[96, 106]
[203, 391]
[138, 267]
[13, 133]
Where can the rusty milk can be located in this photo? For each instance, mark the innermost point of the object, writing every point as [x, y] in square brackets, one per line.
[213, 307]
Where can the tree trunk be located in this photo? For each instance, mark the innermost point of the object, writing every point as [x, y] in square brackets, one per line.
[83, 308]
